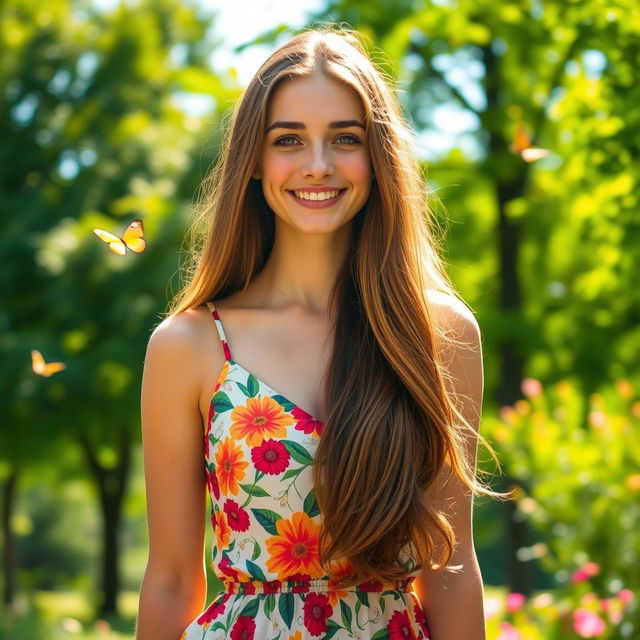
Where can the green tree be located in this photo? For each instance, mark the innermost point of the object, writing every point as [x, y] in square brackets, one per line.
[547, 248]
[94, 134]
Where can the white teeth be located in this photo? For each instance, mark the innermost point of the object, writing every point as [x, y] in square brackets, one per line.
[322, 195]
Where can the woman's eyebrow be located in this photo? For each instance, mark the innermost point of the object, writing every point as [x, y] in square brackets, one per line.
[339, 124]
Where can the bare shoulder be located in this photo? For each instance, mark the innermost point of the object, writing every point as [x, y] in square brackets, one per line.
[454, 319]
[177, 345]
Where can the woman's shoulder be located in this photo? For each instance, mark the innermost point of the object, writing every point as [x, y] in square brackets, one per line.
[450, 313]
[177, 341]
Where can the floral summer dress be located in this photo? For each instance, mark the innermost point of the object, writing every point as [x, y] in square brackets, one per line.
[259, 450]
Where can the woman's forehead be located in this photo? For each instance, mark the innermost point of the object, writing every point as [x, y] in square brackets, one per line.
[317, 97]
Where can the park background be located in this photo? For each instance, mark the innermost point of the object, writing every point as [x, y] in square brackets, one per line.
[528, 121]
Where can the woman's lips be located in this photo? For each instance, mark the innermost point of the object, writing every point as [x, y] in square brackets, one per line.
[318, 204]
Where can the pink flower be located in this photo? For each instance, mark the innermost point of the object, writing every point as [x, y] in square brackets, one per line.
[508, 632]
[515, 602]
[531, 387]
[588, 624]
[586, 571]
[625, 595]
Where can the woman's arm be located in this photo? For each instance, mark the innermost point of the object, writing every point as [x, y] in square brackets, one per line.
[453, 603]
[174, 585]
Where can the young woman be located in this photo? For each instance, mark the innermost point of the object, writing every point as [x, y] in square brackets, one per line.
[320, 363]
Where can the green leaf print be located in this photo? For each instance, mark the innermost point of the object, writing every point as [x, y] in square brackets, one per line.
[286, 405]
[254, 490]
[286, 607]
[382, 634]
[251, 608]
[221, 402]
[255, 571]
[253, 385]
[332, 629]
[292, 473]
[345, 611]
[267, 520]
[298, 452]
[310, 506]
[269, 605]
[363, 596]
[256, 550]
[251, 388]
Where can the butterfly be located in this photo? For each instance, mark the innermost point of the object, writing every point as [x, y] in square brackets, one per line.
[522, 145]
[131, 239]
[43, 368]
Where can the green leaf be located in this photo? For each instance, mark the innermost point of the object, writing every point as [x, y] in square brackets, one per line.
[382, 634]
[298, 452]
[286, 607]
[253, 385]
[332, 629]
[358, 607]
[347, 616]
[256, 551]
[221, 402]
[291, 473]
[310, 506]
[286, 404]
[255, 571]
[251, 608]
[363, 597]
[269, 605]
[254, 490]
[267, 519]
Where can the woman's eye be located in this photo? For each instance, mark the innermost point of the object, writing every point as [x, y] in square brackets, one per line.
[347, 138]
[286, 141]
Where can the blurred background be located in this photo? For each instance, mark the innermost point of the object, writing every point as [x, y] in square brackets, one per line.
[528, 121]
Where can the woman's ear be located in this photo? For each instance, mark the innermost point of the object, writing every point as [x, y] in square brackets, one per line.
[257, 173]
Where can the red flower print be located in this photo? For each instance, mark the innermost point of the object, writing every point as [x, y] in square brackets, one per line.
[270, 457]
[214, 610]
[271, 586]
[418, 613]
[316, 611]
[306, 422]
[300, 582]
[212, 483]
[227, 569]
[399, 626]
[238, 518]
[243, 629]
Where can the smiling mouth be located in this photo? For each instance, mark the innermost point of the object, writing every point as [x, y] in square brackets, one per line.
[317, 196]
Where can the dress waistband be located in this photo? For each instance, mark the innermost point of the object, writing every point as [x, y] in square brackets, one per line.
[321, 585]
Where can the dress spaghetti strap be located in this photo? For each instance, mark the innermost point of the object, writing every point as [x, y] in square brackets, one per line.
[220, 329]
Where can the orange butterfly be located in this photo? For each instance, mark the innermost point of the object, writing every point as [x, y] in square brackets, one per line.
[43, 368]
[131, 239]
[522, 145]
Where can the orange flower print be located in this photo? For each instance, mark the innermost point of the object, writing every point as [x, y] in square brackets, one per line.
[230, 466]
[260, 418]
[295, 548]
[296, 636]
[222, 530]
[340, 570]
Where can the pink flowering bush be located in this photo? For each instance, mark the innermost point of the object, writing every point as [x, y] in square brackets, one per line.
[569, 613]
[575, 463]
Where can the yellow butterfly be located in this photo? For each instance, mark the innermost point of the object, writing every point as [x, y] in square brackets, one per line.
[131, 239]
[43, 368]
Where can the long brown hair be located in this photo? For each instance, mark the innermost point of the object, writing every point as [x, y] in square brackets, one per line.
[392, 426]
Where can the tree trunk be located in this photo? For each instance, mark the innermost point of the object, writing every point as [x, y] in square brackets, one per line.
[510, 184]
[9, 563]
[111, 483]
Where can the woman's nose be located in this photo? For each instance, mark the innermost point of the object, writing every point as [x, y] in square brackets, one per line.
[318, 164]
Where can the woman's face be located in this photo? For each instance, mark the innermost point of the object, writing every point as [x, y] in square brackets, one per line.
[314, 165]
